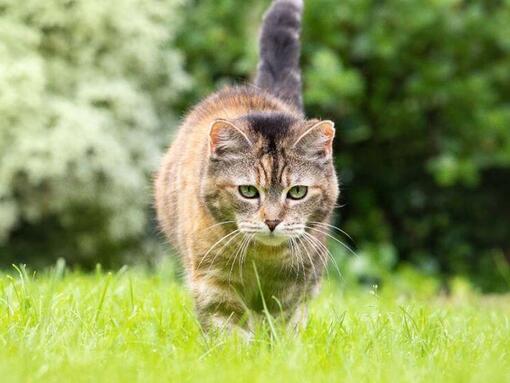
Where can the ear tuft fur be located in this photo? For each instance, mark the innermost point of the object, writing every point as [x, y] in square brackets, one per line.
[226, 138]
[317, 140]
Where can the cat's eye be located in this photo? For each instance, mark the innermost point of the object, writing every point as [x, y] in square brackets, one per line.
[297, 192]
[248, 191]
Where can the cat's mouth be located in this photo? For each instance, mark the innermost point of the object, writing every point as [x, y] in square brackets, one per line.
[282, 235]
[271, 239]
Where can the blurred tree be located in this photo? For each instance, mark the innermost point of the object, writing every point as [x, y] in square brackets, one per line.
[218, 41]
[424, 144]
[420, 93]
[85, 92]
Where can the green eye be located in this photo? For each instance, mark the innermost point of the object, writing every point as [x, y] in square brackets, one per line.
[248, 191]
[297, 192]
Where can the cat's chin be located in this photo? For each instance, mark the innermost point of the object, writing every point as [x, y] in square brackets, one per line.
[273, 240]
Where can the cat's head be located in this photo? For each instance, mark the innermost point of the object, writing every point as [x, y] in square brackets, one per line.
[270, 173]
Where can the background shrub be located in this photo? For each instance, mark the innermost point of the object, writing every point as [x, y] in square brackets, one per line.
[419, 92]
[86, 88]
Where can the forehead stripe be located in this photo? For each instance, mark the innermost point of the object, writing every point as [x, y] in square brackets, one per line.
[258, 179]
[267, 164]
[282, 172]
[262, 170]
[274, 169]
[272, 126]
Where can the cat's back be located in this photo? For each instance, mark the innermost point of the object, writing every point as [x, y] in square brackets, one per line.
[177, 184]
[233, 102]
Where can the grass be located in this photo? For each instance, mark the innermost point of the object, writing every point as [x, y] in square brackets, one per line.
[134, 325]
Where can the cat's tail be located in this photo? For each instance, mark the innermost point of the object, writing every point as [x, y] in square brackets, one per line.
[278, 70]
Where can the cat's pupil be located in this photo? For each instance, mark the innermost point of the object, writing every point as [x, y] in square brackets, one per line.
[298, 192]
[248, 191]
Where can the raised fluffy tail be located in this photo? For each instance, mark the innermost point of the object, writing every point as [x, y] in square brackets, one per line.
[278, 70]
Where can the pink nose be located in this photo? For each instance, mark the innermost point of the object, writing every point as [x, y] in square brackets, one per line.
[272, 223]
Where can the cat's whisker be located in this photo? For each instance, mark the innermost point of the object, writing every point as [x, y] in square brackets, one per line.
[308, 255]
[237, 252]
[297, 255]
[242, 251]
[300, 257]
[235, 232]
[333, 227]
[292, 257]
[334, 238]
[323, 252]
[289, 243]
[323, 257]
[245, 224]
[224, 247]
[210, 227]
[243, 258]
[321, 245]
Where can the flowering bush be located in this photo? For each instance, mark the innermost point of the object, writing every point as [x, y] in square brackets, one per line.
[85, 94]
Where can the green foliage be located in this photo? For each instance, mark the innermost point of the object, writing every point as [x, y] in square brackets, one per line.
[419, 92]
[86, 88]
[133, 326]
[217, 41]
[421, 103]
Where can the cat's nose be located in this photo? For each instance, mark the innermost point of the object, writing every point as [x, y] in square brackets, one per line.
[272, 223]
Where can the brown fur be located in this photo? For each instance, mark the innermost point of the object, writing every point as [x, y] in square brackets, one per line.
[196, 190]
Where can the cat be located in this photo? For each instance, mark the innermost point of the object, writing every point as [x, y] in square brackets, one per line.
[246, 190]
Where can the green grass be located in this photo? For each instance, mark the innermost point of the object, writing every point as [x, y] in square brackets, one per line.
[139, 326]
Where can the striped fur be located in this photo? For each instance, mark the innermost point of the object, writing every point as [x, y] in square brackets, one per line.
[249, 136]
[278, 70]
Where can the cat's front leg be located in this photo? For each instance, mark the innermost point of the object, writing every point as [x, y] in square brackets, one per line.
[221, 323]
[220, 309]
[299, 318]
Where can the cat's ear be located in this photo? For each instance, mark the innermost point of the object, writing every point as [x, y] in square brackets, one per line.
[317, 140]
[226, 139]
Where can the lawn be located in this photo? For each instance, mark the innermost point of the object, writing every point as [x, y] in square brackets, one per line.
[136, 325]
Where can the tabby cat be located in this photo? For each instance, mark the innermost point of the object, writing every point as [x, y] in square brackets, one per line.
[247, 187]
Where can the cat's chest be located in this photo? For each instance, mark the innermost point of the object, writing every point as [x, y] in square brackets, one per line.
[275, 287]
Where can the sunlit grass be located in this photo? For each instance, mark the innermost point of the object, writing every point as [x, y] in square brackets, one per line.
[139, 326]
